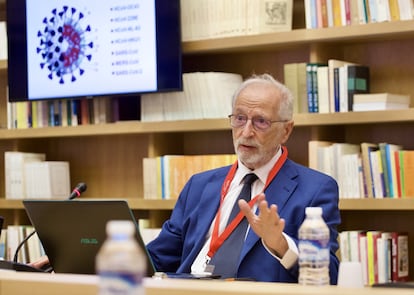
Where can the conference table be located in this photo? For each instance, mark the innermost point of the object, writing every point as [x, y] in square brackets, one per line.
[21, 283]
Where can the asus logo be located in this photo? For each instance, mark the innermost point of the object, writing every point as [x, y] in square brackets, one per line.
[89, 241]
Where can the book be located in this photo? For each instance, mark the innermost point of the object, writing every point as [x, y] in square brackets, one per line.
[372, 252]
[350, 178]
[332, 65]
[408, 173]
[400, 258]
[272, 17]
[394, 10]
[295, 80]
[406, 9]
[338, 149]
[377, 174]
[3, 41]
[383, 11]
[323, 89]
[366, 149]
[384, 244]
[150, 177]
[313, 152]
[388, 162]
[15, 179]
[47, 180]
[380, 101]
[363, 258]
[398, 174]
[311, 87]
[357, 82]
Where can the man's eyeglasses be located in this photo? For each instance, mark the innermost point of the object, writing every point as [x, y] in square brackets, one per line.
[259, 123]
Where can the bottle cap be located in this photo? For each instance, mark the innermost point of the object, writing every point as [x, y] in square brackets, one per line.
[120, 227]
[313, 211]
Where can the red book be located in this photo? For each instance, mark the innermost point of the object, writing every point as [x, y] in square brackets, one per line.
[400, 259]
[398, 174]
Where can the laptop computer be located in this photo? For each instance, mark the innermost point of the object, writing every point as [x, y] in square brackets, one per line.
[72, 231]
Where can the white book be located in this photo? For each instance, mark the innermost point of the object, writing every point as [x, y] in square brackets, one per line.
[363, 257]
[3, 244]
[324, 163]
[329, 12]
[362, 17]
[383, 11]
[379, 106]
[377, 174]
[406, 9]
[47, 180]
[387, 240]
[12, 241]
[150, 179]
[343, 89]
[344, 246]
[3, 41]
[313, 152]
[381, 260]
[14, 172]
[339, 149]
[349, 176]
[152, 108]
[34, 246]
[323, 89]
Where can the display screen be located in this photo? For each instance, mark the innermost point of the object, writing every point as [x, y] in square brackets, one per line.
[87, 48]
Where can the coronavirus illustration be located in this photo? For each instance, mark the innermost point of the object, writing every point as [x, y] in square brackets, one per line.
[64, 44]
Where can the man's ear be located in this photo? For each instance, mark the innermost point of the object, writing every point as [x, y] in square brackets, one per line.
[287, 130]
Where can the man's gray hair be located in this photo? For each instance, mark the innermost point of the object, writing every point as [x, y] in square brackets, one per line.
[286, 96]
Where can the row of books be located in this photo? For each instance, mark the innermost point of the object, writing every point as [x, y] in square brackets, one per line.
[30, 176]
[205, 19]
[71, 112]
[334, 13]
[164, 177]
[204, 95]
[383, 255]
[337, 86]
[10, 239]
[366, 170]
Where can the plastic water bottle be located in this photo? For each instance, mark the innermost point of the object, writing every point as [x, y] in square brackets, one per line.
[120, 263]
[314, 249]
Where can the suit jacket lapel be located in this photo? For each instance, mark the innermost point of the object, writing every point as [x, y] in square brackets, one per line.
[209, 202]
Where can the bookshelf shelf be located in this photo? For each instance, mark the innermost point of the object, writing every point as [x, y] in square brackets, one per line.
[137, 127]
[300, 37]
[135, 204]
[344, 204]
[377, 204]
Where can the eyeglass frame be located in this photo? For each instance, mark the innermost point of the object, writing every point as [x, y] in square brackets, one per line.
[270, 122]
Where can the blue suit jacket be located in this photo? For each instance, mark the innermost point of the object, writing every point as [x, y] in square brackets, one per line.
[294, 188]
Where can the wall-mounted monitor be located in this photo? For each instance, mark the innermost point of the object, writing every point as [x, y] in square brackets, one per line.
[87, 48]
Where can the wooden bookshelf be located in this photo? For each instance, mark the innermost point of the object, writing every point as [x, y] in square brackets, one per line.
[109, 157]
[137, 127]
[3, 64]
[303, 37]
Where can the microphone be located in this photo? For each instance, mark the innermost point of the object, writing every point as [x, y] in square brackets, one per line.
[76, 192]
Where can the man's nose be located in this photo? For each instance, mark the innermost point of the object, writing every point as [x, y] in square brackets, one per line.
[248, 128]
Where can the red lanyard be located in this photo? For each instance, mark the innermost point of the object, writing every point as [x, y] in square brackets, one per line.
[216, 239]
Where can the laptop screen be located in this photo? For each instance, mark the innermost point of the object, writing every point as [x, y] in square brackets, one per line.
[72, 231]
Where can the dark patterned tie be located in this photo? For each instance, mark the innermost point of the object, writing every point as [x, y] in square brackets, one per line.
[226, 259]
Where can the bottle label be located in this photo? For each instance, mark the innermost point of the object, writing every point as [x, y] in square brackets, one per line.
[315, 252]
[119, 283]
